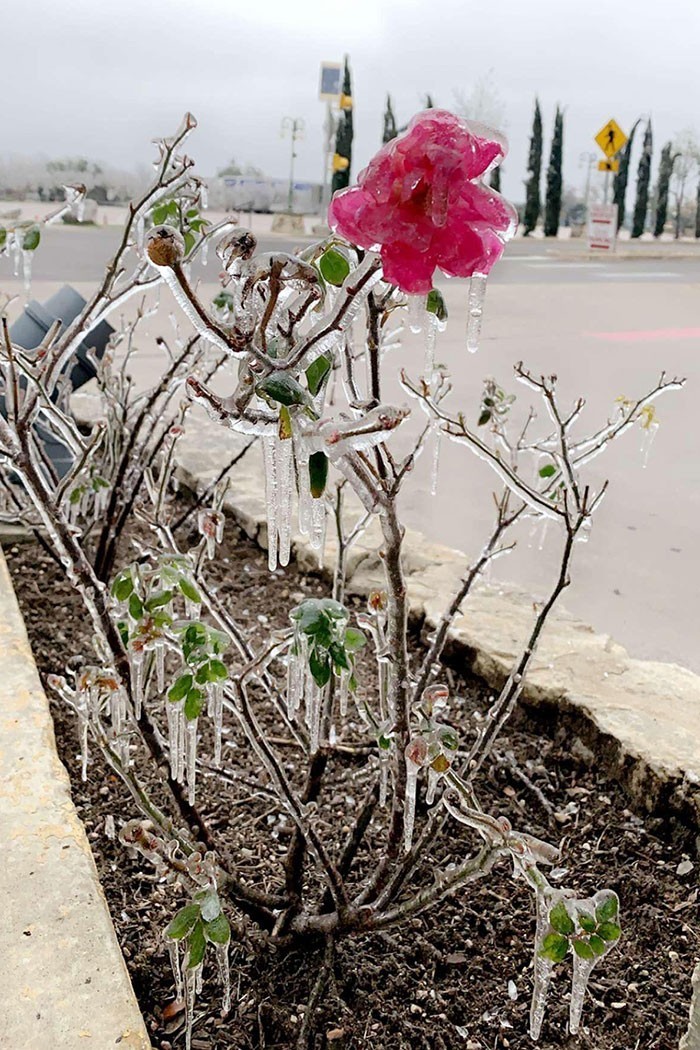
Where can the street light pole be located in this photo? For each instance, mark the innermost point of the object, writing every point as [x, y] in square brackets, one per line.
[295, 126]
[589, 160]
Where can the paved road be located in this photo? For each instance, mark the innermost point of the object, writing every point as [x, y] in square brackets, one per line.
[606, 327]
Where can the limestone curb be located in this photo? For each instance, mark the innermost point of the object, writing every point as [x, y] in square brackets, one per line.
[62, 973]
[641, 718]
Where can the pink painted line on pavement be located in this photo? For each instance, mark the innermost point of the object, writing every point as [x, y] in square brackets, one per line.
[649, 335]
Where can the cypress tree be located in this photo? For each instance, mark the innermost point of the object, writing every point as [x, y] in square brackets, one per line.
[697, 212]
[641, 204]
[622, 177]
[429, 104]
[496, 179]
[552, 208]
[390, 129]
[343, 137]
[534, 168]
[662, 186]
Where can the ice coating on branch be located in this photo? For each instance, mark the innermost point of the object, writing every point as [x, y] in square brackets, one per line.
[222, 962]
[541, 966]
[279, 481]
[422, 203]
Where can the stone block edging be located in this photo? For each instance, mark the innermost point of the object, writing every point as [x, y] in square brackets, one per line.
[63, 977]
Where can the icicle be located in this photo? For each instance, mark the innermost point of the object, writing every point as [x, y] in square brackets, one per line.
[192, 979]
[433, 780]
[416, 313]
[344, 692]
[269, 458]
[383, 777]
[191, 760]
[314, 704]
[27, 272]
[579, 983]
[160, 666]
[137, 681]
[224, 975]
[435, 467]
[83, 730]
[648, 435]
[285, 482]
[431, 331]
[477, 293]
[409, 814]
[174, 953]
[318, 523]
[217, 694]
[204, 196]
[542, 967]
[205, 251]
[295, 681]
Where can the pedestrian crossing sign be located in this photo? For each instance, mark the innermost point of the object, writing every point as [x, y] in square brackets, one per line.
[611, 138]
[609, 165]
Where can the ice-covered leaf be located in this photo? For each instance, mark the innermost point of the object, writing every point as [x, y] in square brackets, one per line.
[158, 600]
[209, 904]
[597, 944]
[435, 304]
[583, 948]
[554, 947]
[197, 945]
[547, 470]
[31, 238]
[354, 640]
[194, 703]
[180, 688]
[135, 606]
[317, 372]
[283, 388]
[189, 590]
[318, 473]
[587, 922]
[181, 923]
[560, 920]
[320, 666]
[607, 909]
[122, 587]
[609, 931]
[218, 930]
[334, 267]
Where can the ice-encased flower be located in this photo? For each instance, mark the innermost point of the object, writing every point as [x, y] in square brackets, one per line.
[421, 202]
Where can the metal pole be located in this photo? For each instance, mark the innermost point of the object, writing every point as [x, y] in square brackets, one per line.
[295, 126]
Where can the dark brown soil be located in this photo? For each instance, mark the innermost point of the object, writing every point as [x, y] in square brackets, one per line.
[443, 980]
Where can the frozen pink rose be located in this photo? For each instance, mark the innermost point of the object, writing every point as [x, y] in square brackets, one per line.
[421, 203]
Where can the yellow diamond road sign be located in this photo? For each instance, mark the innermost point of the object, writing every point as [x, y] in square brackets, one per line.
[611, 138]
[609, 165]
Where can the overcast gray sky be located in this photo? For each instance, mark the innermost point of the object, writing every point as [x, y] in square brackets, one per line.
[103, 77]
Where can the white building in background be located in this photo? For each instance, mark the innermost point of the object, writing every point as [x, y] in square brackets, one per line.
[263, 194]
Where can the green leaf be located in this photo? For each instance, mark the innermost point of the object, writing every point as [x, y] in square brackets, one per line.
[223, 301]
[182, 922]
[218, 930]
[583, 949]
[196, 635]
[547, 470]
[320, 666]
[354, 640]
[318, 473]
[180, 688]
[449, 739]
[334, 267]
[190, 241]
[218, 640]
[135, 606]
[384, 743]
[161, 619]
[554, 947]
[484, 417]
[197, 946]
[209, 904]
[283, 388]
[3, 237]
[160, 214]
[189, 590]
[98, 483]
[218, 671]
[435, 304]
[586, 922]
[194, 704]
[607, 909]
[597, 944]
[76, 495]
[31, 238]
[122, 587]
[123, 629]
[317, 372]
[285, 425]
[339, 656]
[158, 600]
[609, 931]
[560, 920]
